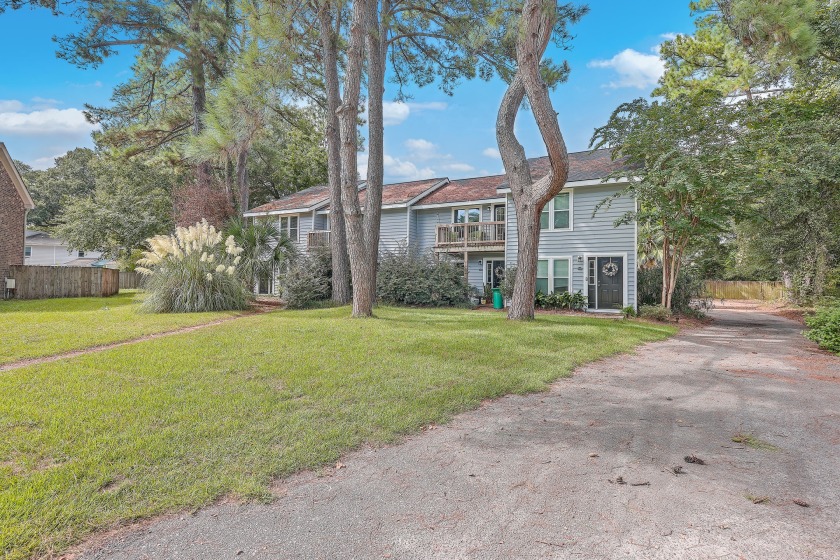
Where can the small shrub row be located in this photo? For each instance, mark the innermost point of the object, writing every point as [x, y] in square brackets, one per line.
[308, 280]
[561, 300]
[408, 278]
[824, 328]
[655, 312]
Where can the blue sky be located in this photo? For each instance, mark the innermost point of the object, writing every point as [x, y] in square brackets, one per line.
[613, 60]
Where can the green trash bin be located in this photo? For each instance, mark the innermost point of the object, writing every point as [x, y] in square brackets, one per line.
[498, 300]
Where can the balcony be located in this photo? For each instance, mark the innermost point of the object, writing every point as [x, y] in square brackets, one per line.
[473, 236]
[318, 238]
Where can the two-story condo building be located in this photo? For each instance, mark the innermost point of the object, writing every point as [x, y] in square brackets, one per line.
[474, 222]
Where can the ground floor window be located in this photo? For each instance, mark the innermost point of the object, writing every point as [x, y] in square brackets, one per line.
[553, 275]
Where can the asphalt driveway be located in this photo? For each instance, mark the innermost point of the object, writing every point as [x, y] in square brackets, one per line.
[583, 471]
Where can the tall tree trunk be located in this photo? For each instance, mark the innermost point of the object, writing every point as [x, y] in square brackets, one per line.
[376, 44]
[529, 197]
[242, 180]
[348, 115]
[341, 292]
[198, 87]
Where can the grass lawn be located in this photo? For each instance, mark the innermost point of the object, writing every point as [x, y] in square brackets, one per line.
[179, 421]
[35, 328]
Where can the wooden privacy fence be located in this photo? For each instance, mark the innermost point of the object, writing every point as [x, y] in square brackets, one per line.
[40, 282]
[130, 280]
[765, 291]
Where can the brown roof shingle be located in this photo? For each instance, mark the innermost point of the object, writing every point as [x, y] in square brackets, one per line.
[583, 166]
[400, 193]
[307, 198]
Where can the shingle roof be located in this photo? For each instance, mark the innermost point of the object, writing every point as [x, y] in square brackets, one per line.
[400, 193]
[583, 166]
[307, 198]
[463, 190]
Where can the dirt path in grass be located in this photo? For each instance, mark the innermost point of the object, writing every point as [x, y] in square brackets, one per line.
[255, 310]
[594, 468]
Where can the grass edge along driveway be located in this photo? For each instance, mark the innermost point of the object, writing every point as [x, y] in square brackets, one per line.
[180, 421]
[46, 327]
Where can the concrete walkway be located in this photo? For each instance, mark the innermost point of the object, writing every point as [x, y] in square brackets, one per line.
[541, 476]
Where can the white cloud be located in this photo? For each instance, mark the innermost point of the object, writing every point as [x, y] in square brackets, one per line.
[45, 122]
[458, 167]
[396, 112]
[46, 161]
[10, 105]
[634, 69]
[669, 36]
[492, 153]
[422, 150]
[405, 170]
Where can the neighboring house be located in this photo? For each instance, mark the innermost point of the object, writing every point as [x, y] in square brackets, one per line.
[15, 202]
[43, 250]
[474, 222]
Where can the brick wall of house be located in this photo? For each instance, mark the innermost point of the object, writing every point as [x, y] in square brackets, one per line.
[12, 225]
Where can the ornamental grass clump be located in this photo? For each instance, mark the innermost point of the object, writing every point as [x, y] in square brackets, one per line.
[193, 270]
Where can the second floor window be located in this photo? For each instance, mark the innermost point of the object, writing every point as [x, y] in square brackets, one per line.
[81, 254]
[466, 215]
[289, 226]
[27, 251]
[556, 215]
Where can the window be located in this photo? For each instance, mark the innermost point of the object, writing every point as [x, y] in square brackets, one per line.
[27, 251]
[542, 276]
[466, 215]
[289, 226]
[81, 254]
[499, 213]
[553, 275]
[557, 214]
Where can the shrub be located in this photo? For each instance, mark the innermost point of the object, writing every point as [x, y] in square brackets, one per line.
[307, 280]
[508, 280]
[192, 271]
[655, 312]
[408, 278]
[824, 328]
[628, 311]
[689, 289]
[561, 300]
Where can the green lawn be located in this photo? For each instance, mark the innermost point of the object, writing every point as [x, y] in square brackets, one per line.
[35, 328]
[179, 421]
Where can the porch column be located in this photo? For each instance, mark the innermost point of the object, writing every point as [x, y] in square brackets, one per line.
[466, 267]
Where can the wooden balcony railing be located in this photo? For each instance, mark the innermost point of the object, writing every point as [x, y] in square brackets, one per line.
[473, 235]
[319, 238]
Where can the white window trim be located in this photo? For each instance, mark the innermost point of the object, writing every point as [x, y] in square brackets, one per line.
[467, 209]
[289, 223]
[551, 260]
[550, 208]
[626, 276]
[30, 251]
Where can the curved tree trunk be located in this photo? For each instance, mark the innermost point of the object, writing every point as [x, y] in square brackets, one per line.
[529, 197]
[341, 292]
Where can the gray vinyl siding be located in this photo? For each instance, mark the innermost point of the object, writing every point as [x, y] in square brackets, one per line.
[590, 234]
[425, 227]
[393, 229]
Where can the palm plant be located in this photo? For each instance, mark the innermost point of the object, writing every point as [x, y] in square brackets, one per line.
[265, 248]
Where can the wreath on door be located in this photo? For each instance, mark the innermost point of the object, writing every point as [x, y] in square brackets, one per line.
[610, 269]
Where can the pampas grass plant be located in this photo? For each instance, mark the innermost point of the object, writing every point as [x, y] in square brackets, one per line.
[191, 271]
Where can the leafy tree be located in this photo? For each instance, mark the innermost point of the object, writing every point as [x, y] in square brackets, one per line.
[132, 201]
[739, 46]
[265, 249]
[71, 178]
[182, 46]
[688, 175]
